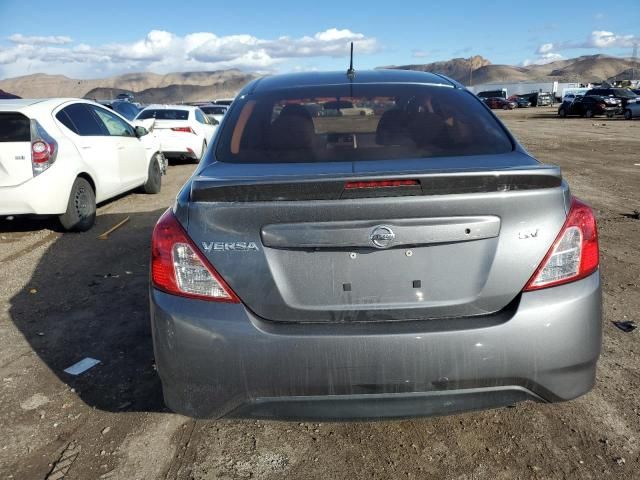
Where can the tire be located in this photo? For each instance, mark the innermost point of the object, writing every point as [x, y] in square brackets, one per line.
[562, 113]
[505, 107]
[154, 178]
[81, 207]
[588, 113]
[628, 115]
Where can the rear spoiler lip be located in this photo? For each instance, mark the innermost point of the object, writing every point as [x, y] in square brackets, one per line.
[331, 186]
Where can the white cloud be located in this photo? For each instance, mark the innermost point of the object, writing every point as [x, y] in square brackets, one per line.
[543, 59]
[162, 51]
[604, 39]
[420, 54]
[597, 39]
[37, 40]
[545, 48]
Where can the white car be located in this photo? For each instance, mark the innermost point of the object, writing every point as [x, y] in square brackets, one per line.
[215, 112]
[61, 156]
[184, 130]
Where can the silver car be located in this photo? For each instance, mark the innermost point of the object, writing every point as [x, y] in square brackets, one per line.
[415, 261]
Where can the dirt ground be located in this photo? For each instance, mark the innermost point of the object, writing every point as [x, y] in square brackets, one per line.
[64, 297]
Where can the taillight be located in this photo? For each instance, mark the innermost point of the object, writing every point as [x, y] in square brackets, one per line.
[574, 254]
[179, 268]
[380, 184]
[182, 129]
[44, 148]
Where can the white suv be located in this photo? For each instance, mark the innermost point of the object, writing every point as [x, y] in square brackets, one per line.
[61, 156]
[184, 130]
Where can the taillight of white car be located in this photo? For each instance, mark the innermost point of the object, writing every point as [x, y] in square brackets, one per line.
[44, 149]
[574, 254]
[179, 268]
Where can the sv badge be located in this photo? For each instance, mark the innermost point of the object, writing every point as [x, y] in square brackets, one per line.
[530, 234]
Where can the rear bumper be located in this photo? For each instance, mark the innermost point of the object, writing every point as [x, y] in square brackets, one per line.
[218, 360]
[45, 194]
[180, 145]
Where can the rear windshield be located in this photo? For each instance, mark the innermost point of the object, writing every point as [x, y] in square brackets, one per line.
[214, 110]
[164, 114]
[359, 122]
[14, 127]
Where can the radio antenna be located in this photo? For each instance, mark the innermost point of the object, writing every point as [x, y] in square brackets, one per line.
[351, 72]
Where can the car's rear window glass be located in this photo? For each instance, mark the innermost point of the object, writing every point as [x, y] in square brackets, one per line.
[164, 114]
[214, 110]
[14, 127]
[359, 122]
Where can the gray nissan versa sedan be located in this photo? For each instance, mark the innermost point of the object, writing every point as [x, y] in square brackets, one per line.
[371, 246]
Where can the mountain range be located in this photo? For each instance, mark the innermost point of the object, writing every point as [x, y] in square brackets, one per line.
[197, 86]
[477, 70]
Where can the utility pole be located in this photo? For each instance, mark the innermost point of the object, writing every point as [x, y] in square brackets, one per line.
[634, 60]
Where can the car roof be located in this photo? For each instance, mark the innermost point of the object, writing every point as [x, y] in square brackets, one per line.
[310, 79]
[47, 103]
[171, 107]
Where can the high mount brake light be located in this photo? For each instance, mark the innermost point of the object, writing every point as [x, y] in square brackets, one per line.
[574, 253]
[179, 268]
[380, 184]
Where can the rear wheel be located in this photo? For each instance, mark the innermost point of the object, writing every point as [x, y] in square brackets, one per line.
[81, 208]
[154, 179]
[588, 113]
[627, 114]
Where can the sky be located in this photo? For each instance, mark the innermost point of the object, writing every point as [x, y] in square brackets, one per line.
[96, 39]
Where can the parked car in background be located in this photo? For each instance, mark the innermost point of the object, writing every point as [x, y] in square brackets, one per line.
[215, 112]
[493, 93]
[417, 261]
[538, 99]
[223, 101]
[570, 97]
[520, 101]
[588, 106]
[6, 95]
[631, 110]
[499, 102]
[624, 95]
[124, 107]
[62, 156]
[570, 93]
[184, 131]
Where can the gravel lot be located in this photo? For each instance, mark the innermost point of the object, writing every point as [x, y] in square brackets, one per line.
[66, 297]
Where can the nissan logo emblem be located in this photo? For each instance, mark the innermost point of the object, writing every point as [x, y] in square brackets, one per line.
[382, 236]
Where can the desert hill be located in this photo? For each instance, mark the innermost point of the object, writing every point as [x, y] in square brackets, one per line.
[476, 70]
[188, 86]
[194, 86]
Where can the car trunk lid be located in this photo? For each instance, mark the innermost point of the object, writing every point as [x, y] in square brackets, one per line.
[302, 247]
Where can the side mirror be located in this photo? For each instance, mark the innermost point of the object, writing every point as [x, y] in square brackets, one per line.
[141, 131]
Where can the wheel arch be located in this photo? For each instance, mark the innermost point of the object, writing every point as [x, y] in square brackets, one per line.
[89, 179]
